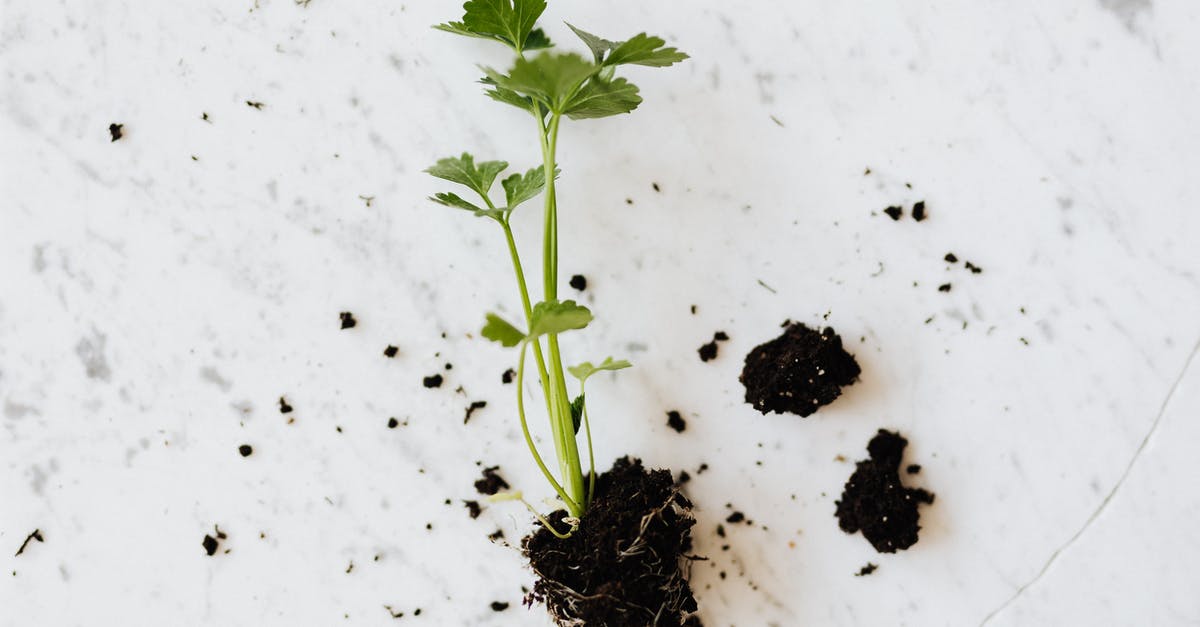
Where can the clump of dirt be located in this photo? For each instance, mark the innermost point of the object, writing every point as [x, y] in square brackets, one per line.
[433, 381]
[799, 371]
[492, 482]
[867, 570]
[246, 450]
[579, 282]
[708, 352]
[876, 503]
[391, 351]
[348, 321]
[627, 563]
[675, 421]
[116, 131]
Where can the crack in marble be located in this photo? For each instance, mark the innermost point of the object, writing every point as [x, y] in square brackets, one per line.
[1162, 410]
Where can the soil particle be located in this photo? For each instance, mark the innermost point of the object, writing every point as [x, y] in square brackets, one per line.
[735, 518]
[348, 321]
[684, 477]
[284, 408]
[972, 267]
[473, 508]
[798, 372]
[867, 570]
[579, 282]
[721, 531]
[913, 469]
[944, 287]
[499, 606]
[36, 535]
[433, 381]
[508, 375]
[918, 212]
[472, 408]
[876, 503]
[496, 535]
[245, 450]
[626, 564]
[894, 212]
[656, 187]
[951, 258]
[393, 423]
[210, 544]
[254, 104]
[708, 352]
[114, 131]
[492, 482]
[676, 421]
[390, 351]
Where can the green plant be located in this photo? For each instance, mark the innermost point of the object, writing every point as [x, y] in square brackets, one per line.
[549, 87]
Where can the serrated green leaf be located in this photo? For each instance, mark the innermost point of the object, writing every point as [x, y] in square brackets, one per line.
[454, 200]
[510, 21]
[458, 28]
[557, 317]
[643, 49]
[547, 78]
[577, 412]
[587, 369]
[507, 96]
[519, 188]
[462, 170]
[600, 99]
[499, 330]
[598, 45]
[538, 40]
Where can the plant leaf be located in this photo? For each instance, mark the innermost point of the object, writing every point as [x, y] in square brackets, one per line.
[557, 317]
[509, 21]
[538, 40]
[598, 45]
[547, 78]
[458, 28]
[600, 99]
[577, 412]
[586, 369]
[462, 170]
[519, 188]
[507, 96]
[643, 49]
[498, 329]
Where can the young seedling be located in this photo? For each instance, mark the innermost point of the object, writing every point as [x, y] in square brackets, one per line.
[548, 87]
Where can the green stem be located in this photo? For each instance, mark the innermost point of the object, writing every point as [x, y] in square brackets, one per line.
[572, 506]
[525, 303]
[587, 429]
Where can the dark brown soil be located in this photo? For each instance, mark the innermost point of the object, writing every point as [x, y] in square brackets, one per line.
[391, 351]
[867, 570]
[894, 212]
[627, 564]
[246, 450]
[472, 408]
[433, 381]
[676, 421]
[284, 408]
[348, 321]
[114, 130]
[798, 372]
[919, 211]
[492, 482]
[579, 282]
[876, 503]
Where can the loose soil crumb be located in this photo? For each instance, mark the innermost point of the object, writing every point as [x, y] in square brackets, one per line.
[676, 421]
[284, 408]
[393, 423]
[499, 606]
[209, 544]
[114, 130]
[473, 508]
[951, 258]
[876, 503]
[255, 105]
[894, 212]
[735, 518]
[492, 482]
[867, 570]
[918, 212]
[433, 381]
[913, 469]
[798, 372]
[684, 477]
[348, 321]
[496, 535]
[476, 405]
[944, 287]
[579, 282]
[508, 375]
[708, 352]
[626, 565]
[972, 267]
[245, 450]
[390, 351]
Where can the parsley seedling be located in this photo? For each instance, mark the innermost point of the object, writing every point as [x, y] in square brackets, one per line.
[548, 86]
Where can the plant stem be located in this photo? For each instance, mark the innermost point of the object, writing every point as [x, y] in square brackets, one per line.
[572, 506]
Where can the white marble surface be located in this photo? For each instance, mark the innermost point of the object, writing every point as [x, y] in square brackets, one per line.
[160, 293]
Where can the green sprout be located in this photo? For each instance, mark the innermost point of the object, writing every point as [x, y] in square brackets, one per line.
[549, 87]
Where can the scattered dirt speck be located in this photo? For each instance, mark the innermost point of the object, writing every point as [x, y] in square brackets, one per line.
[114, 131]
[918, 211]
[507, 376]
[499, 606]
[894, 212]
[944, 287]
[245, 450]
[473, 508]
[492, 482]
[876, 503]
[867, 570]
[472, 408]
[676, 421]
[348, 321]
[284, 408]
[392, 423]
[391, 351]
[579, 282]
[951, 258]
[433, 381]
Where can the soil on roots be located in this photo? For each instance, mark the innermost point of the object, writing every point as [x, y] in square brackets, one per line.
[627, 564]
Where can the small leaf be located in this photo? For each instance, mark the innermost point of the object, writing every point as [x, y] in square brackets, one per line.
[586, 369]
[499, 330]
[458, 28]
[454, 200]
[507, 96]
[538, 40]
[547, 78]
[510, 21]
[462, 170]
[643, 49]
[519, 188]
[577, 412]
[601, 99]
[598, 45]
[557, 317]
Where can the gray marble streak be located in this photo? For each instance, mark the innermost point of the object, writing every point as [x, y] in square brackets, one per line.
[159, 294]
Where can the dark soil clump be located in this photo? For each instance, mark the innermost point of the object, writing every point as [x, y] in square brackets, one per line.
[348, 321]
[867, 570]
[798, 372]
[115, 131]
[245, 450]
[492, 482]
[626, 565]
[919, 211]
[579, 282]
[472, 408]
[676, 421]
[433, 381]
[894, 212]
[507, 376]
[473, 508]
[391, 351]
[876, 503]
